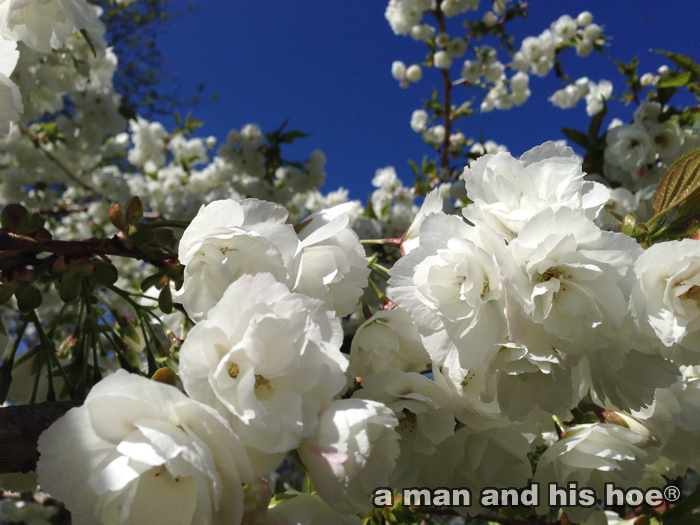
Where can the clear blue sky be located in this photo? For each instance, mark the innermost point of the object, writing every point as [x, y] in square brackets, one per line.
[326, 65]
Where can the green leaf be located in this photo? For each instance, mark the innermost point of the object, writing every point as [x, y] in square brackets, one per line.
[13, 217]
[685, 506]
[282, 496]
[151, 280]
[596, 121]
[682, 61]
[7, 290]
[165, 375]
[33, 222]
[291, 136]
[71, 285]
[307, 487]
[676, 78]
[28, 298]
[577, 137]
[116, 216]
[106, 274]
[681, 181]
[686, 519]
[141, 233]
[165, 300]
[133, 211]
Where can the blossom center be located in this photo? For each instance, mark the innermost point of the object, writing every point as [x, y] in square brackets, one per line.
[233, 371]
[693, 294]
[408, 423]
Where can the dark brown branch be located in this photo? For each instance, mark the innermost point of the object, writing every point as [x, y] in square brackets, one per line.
[110, 246]
[445, 163]
[20, 428]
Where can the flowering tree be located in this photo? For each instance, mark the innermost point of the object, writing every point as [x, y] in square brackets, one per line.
[195, 334]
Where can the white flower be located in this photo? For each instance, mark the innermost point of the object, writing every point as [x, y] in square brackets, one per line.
[305, 509]
[567, 282]
[388, 340]
[425, 419]
[419, 119]
[620, 375]
[629, 147]
[564, 28]
[353, 451]
[667, 140]
[11, 106]
[507, 192]
[597, 94]
[268, 358]
[451, 288]
[591, 455]
[251, 137]
[647, 114]
[44, 24]
[519, 82]
[139, 451]
[402, 15]
[493, 457]
[228, 239]
[148, 144]
[524, 380]
[666, 298]
[471, 71]
[332, 264]
[432, 204]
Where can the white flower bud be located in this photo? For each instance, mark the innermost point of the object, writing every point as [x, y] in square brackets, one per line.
[662, 70]
[584, 19]
[584, 47]
[398, 70]
[442, 60]
[414, 73]
[592, 32]
[490, 19]
[499, 6]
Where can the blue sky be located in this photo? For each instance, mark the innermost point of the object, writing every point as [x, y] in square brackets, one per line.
[326, 65]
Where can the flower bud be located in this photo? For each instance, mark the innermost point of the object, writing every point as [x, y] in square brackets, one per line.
[442, 60]
[414, 73]
[584, 19]
[591, 32]
[584, 47]
[490, 19]
[398, 70]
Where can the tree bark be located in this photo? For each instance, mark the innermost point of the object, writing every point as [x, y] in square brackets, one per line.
[20, 428]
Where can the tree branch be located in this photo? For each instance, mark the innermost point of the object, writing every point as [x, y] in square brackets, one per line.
[20, 428]
[110, 246]
[447, 95]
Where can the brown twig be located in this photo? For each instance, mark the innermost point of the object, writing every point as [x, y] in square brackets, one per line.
[110, 246]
